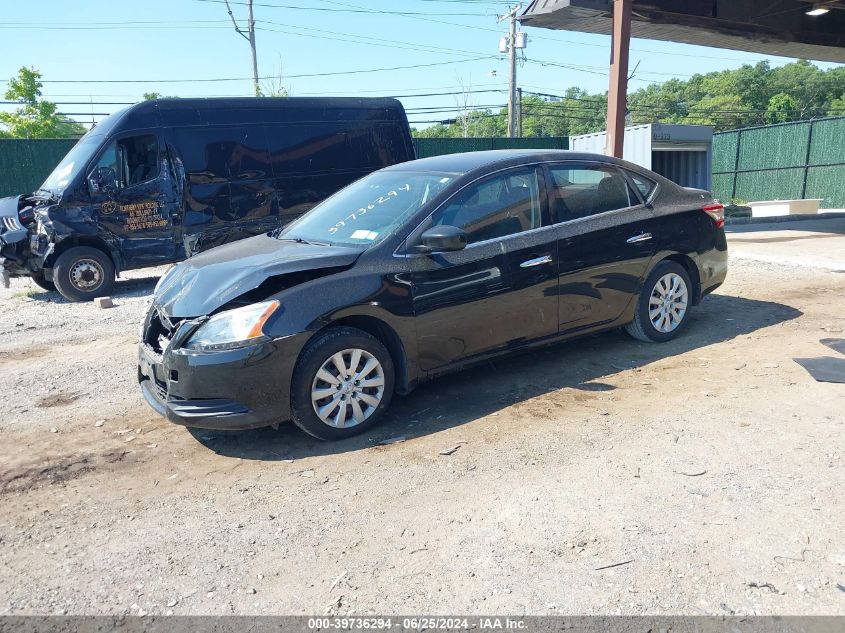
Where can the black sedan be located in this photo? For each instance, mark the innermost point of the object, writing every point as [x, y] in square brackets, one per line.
[420, 269]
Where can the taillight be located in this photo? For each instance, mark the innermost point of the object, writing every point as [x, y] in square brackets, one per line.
[715, 210]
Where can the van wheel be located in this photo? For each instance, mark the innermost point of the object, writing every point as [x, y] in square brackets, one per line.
[663, 305]
[41, 282]
[342, 384]
[82, 273]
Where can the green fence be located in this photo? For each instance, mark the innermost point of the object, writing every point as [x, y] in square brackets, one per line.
[25, 163]
[437, 146]
[805, 159]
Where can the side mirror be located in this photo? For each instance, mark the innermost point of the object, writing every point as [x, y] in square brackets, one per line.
[105, 180]
[444, 238]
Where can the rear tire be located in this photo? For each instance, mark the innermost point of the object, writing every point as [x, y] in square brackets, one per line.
[334, 403]
[663, 304]
[83, 273]
[41, 282]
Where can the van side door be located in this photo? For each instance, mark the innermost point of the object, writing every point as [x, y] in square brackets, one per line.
[228, 188]
[312, 160]
[139, 207]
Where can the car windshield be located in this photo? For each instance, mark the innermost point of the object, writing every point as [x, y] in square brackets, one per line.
[369, 209]
[73, 162]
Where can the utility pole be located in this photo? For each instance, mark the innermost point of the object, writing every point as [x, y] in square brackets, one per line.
[249, 36]
[519, 115]
[510, 44]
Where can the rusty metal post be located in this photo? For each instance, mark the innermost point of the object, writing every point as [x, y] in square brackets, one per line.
[618, 89]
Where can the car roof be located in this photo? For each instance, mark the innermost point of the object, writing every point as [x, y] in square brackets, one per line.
[466, 162]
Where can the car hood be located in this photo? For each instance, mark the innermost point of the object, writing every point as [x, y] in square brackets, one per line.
[203, 283]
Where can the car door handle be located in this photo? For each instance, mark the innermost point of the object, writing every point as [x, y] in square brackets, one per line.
[642, 237]
[537, 261]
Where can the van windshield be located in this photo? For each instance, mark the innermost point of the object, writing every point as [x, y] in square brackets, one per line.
[79, 155]
[368, 210]
[73, 162]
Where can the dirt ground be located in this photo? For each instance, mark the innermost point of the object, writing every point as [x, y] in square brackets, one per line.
[601, 476]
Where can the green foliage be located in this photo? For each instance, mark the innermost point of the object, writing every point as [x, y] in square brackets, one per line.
[751, 95]
[275, 85]
[151, 96]
[781, 107]
[837, 106]
[35, 117]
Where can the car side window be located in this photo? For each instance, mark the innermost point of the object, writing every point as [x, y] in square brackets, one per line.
[497, 207]
[134, 159]
[645, 185]
[579, 191]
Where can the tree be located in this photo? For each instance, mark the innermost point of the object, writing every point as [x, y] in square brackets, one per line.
[152, 96]
[749, 95]
[722, 112]
[36, 117]
[274, 86]
[837, 106]
[781, 108]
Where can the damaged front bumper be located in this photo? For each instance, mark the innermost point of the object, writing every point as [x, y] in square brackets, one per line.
[23, 249]
[236, 389]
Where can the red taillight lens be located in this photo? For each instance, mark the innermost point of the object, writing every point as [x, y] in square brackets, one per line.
[715, 210]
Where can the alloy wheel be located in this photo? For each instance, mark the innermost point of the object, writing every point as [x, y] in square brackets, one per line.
[668, 303]
[348, 388]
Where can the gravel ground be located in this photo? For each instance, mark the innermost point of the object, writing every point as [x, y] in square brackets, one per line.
[601, 476]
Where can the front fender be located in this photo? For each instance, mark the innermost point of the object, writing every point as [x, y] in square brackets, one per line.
[382, 297]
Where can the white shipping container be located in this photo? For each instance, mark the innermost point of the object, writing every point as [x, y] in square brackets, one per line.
[682, 153]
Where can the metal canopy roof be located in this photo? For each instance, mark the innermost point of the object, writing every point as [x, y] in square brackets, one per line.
[770, 27]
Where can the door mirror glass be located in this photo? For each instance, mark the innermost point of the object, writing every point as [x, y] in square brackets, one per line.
[444, 238]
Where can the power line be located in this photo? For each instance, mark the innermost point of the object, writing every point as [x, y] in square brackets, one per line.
[220, 79]
[394, 96]
[381, 43]
[350, 10]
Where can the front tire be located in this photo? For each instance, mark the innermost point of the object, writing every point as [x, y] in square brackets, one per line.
[663, 305]
[41, 282]
[342, 384]
[83, 273]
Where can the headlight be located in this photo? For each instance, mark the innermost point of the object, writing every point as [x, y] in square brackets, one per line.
[233, 328]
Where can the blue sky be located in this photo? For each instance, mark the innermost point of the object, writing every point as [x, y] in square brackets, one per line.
[95, 40]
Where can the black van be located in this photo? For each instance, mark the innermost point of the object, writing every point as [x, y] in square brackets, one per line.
[164, 179]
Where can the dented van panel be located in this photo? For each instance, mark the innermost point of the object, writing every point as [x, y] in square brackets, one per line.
[167, 179]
